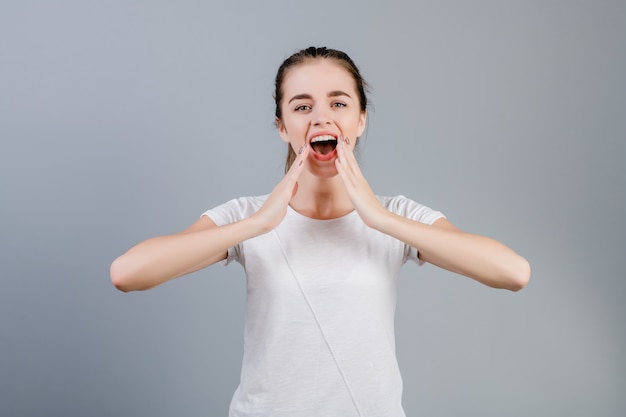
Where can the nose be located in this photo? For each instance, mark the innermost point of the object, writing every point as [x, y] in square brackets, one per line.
[320, 116]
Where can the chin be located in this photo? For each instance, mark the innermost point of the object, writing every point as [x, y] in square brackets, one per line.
[329, 171]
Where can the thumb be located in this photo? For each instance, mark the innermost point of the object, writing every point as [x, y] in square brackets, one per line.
[295, 190]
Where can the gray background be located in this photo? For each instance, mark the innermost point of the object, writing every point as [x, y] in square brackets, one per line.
[121, 120]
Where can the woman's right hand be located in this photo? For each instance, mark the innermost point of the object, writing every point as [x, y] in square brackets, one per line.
[274, 209]
[162, 258]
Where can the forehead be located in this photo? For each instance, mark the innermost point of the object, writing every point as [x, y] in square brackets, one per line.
[318, 76]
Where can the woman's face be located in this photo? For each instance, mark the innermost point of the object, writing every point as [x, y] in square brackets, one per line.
[319, 104]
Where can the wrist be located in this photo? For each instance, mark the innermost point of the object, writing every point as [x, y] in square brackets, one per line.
[380, 219]
[256, 225]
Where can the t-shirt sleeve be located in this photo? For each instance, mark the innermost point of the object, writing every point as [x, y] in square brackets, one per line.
[410, 209]
[234, 211]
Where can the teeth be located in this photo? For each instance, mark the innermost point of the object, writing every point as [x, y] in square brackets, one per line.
[323, 138]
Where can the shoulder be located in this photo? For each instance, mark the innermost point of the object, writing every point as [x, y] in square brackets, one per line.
[406, 207]
[396, 203]
[248, 203]
[235, 209]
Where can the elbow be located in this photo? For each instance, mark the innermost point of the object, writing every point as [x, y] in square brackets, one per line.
[519, 276]
[120, 276]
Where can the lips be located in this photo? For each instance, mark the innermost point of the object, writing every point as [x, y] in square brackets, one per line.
[324, 145]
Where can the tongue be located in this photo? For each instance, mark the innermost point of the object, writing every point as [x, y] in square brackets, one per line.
[323, 147]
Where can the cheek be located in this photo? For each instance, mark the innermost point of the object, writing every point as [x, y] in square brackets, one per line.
[361, 122]
[355, 125]
[292, 132]
[297, 126]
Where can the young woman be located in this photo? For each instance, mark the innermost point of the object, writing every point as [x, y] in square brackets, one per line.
[322, 254]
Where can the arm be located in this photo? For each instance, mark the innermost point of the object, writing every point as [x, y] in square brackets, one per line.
[481, 258]
[160, 259]
[484, 259]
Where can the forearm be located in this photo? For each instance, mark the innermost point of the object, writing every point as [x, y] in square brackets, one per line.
[160, 259]
[481, 258]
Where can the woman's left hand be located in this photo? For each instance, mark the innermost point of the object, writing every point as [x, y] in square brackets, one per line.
[365, 202]
[483, 259]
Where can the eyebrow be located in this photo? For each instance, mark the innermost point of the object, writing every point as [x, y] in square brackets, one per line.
[335, 93]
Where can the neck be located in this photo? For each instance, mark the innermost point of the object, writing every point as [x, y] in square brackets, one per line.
[321, 198]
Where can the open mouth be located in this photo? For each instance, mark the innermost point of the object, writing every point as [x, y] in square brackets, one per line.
[324, 144]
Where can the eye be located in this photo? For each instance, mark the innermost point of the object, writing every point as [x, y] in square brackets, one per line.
[338, 104]
[303, 107]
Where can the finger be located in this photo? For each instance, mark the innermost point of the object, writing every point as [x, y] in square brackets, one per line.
[351, 155]
[345, 177]
[346, 156]
[342, 163]
[296, 166]
[345, 148]
[290, 179]
[295, 190]
[345, 172]
[302, 157]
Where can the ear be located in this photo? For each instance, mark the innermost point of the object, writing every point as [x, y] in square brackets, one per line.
[362, 122]
[281, 130]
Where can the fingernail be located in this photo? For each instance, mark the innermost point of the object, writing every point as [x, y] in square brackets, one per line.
[347, 141]
[301, 149]
[300, 162]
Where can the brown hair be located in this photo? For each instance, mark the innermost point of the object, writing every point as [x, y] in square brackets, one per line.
[300, 58]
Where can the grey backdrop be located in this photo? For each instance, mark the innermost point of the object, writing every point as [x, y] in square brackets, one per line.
[121, 120]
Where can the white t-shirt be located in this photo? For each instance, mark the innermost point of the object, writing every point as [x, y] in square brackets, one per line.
[321, 295]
